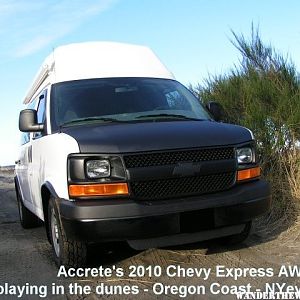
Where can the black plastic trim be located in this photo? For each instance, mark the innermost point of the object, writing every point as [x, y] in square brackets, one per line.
[51, 189]
[122, 219]
[168, 171]
[77, 173]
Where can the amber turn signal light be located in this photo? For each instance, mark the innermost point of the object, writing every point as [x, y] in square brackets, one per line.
[248, 173]
[100, 189]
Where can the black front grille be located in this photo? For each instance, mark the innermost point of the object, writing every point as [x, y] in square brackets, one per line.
[181, 187]
[174, 157]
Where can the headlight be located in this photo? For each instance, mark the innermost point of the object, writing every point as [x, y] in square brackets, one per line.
[98, 168]
[245, 155]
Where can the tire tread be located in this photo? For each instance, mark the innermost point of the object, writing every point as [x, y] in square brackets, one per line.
[73, 253]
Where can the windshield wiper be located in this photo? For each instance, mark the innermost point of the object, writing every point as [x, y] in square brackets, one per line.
[90, 119]
[171, 116]
[105, 119]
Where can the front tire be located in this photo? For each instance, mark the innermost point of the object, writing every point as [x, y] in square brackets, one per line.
[67, 252]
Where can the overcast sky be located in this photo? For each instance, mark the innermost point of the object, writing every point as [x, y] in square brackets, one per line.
[191, 37]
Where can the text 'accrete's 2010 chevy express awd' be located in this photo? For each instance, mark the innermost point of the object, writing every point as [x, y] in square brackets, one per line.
[115, 149]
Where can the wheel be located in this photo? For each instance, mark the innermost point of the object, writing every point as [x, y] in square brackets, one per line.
[67, 252]
[237, 238]
[27, 218]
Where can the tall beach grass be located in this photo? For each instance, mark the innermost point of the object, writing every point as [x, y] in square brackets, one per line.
[262, 92]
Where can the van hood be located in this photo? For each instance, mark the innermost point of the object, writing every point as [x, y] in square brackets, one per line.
[151, 136]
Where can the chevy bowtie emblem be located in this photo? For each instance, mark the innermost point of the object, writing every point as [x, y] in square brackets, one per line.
[186, 169]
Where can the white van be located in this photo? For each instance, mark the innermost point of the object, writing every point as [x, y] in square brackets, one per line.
[114, 148]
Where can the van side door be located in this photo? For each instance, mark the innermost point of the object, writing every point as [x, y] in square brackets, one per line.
[23, 165]
[37, 163]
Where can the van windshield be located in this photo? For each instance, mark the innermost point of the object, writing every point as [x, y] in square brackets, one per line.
[123, 100]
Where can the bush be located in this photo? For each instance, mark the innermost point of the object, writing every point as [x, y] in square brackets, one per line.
[262, 93]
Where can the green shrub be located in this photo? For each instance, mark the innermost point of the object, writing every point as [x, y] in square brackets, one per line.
[262, 93]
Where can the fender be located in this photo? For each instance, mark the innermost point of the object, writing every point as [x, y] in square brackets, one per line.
[17, 186]
[19, 191]
[47, 190]
[50, 188]
[16, 181]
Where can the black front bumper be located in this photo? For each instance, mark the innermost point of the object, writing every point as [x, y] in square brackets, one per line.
[123, 219]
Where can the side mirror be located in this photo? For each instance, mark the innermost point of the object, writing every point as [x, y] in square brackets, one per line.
[216, 110]
[28, 121]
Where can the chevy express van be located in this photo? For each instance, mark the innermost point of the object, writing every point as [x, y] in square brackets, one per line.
[115, 149]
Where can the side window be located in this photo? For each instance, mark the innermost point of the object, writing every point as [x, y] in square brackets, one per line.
[41, 109]
[25, 136]
[41, 112]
